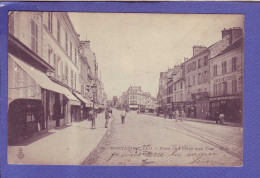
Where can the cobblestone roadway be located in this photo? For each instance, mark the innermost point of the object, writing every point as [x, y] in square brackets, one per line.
[154, 141]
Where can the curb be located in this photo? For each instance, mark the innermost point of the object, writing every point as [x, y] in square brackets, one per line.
[92, 155]
[214, 123]
[207, 122]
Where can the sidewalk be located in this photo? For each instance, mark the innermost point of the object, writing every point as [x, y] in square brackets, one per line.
[212, 122]
[69, 145]
[201, 120]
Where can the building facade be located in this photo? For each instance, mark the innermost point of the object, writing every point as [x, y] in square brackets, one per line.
[211, 80]
[134, 98]
[226, 85]
[48, 73]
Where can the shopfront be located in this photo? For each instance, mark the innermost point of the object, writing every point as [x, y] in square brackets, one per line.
[230, 106]
[25, 117]
[56, 99]
[202, 107]
[190, 109]
[85, 107]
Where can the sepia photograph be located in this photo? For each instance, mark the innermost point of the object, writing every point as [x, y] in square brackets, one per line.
[125, 89]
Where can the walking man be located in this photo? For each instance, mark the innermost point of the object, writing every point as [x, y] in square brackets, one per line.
[217, 117]
[170, 114]
[123, 114]
[165, 113]
[177, 115]
[183, 114]
[107, 115]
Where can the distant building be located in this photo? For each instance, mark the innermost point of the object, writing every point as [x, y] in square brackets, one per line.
[134, 98]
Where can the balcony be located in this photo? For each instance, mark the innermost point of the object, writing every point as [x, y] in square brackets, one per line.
[200, 95]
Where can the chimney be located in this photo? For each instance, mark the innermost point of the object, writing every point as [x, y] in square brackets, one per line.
[233, 34]
[197, 49]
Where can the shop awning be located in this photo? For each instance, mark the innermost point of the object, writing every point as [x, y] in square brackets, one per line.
[43, 80]
[87, 102]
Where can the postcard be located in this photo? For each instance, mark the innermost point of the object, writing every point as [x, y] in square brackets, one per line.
[125, 89]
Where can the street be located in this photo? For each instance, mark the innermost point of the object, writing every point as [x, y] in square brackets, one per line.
[148, 140]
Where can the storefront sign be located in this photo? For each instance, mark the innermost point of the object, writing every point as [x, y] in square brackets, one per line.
[232, 77]
[226, 98]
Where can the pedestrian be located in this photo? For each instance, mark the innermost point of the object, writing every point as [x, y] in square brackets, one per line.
[170, 114]
[165, 114]
[107, 113]
[177, 115]
[183, 114]
[217, 117]
[221, 118]
[123, 115]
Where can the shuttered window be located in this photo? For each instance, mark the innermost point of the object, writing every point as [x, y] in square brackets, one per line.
[34, 37]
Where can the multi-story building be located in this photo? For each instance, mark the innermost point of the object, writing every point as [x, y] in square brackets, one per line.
[178, 88]
[226, 84]
[162, 90]
[134, 98]
[47, 69]
[196, 75]
[198, 85]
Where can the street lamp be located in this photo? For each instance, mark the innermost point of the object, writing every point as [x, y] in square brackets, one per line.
[94, 91]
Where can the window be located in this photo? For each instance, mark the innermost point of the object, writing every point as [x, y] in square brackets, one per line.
[219, 89]
[234, 86]
[34, 36]
[61, 68]
[29, 115]
[58, 30]
[199, 78]
[188, 68]
[224, 88]
[49, 56]
[174, 87]
[70, 50]
[205, 76]
[82, 89]
[66, 42]
[224, 67]
[215, 70]
[75, 80]
[71, 72]
[194, 82]
[181, 85]
[199, 63]
[55, 65]
[76, 57]
[215, 90]
[194, 65]
[11, 23]
[189, 81]
[205, 60]
[50, 21]
[234, 64]
[66, 74]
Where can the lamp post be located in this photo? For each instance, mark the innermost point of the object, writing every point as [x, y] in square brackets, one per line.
[94, 91]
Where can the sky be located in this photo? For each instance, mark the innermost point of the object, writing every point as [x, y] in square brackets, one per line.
[133, 48]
